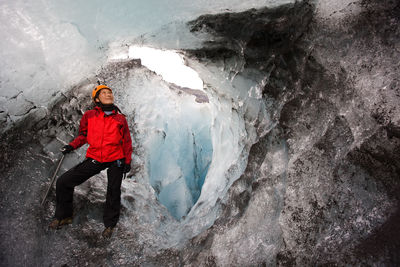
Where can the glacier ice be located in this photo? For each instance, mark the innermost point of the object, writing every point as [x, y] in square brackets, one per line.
[285, 154]
[41, 61]
[178, 138]
[178, 142]
[37, 58]
[187, 146]
[185, 140]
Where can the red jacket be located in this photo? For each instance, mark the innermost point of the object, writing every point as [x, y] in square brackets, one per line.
[107, 135]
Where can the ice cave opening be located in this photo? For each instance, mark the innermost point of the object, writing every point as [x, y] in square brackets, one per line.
[193, 134]
[284, 152]
[192, 142]
[178, 142]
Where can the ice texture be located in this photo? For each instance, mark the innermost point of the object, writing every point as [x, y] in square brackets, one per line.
[287, 155]
[175, 131]
[49, 46]
[41, 54]
[191, 152]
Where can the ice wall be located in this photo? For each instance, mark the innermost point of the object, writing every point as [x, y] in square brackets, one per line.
[48, 46]
[192, 152]
[175, 134]
[78, 45]
[215, 137]
[42, 62]
[303, 119]
[41, 56]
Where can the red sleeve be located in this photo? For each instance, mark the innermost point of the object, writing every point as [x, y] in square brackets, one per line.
[80, 140]
[126, 142]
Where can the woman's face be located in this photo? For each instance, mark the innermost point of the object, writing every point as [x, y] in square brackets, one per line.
[106, 97]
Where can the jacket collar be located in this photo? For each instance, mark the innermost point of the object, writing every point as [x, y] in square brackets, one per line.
[98, 109]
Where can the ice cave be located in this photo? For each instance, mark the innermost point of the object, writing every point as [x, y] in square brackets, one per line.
[265, 132]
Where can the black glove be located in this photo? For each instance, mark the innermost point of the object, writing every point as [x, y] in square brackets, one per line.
[127, 168]
[66, 149]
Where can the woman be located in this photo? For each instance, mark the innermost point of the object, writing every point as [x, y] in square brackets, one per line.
[106, 131]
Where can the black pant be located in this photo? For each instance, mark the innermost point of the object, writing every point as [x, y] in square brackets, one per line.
[77, 175]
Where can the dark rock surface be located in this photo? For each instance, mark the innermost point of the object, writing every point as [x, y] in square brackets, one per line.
[341, 201]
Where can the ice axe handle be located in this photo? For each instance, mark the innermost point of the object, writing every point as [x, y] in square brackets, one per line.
[52, 179]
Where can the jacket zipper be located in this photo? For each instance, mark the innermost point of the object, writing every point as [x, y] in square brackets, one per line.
[102, 137]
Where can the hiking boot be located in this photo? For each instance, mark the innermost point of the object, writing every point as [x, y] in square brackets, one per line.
[57, 224]
[107, 233]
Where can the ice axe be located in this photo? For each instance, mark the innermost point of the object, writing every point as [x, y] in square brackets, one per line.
[52, 179]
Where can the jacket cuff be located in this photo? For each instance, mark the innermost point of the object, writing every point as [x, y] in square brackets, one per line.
[72, 145]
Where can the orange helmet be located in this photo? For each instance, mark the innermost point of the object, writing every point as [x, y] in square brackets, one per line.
[97, 89]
